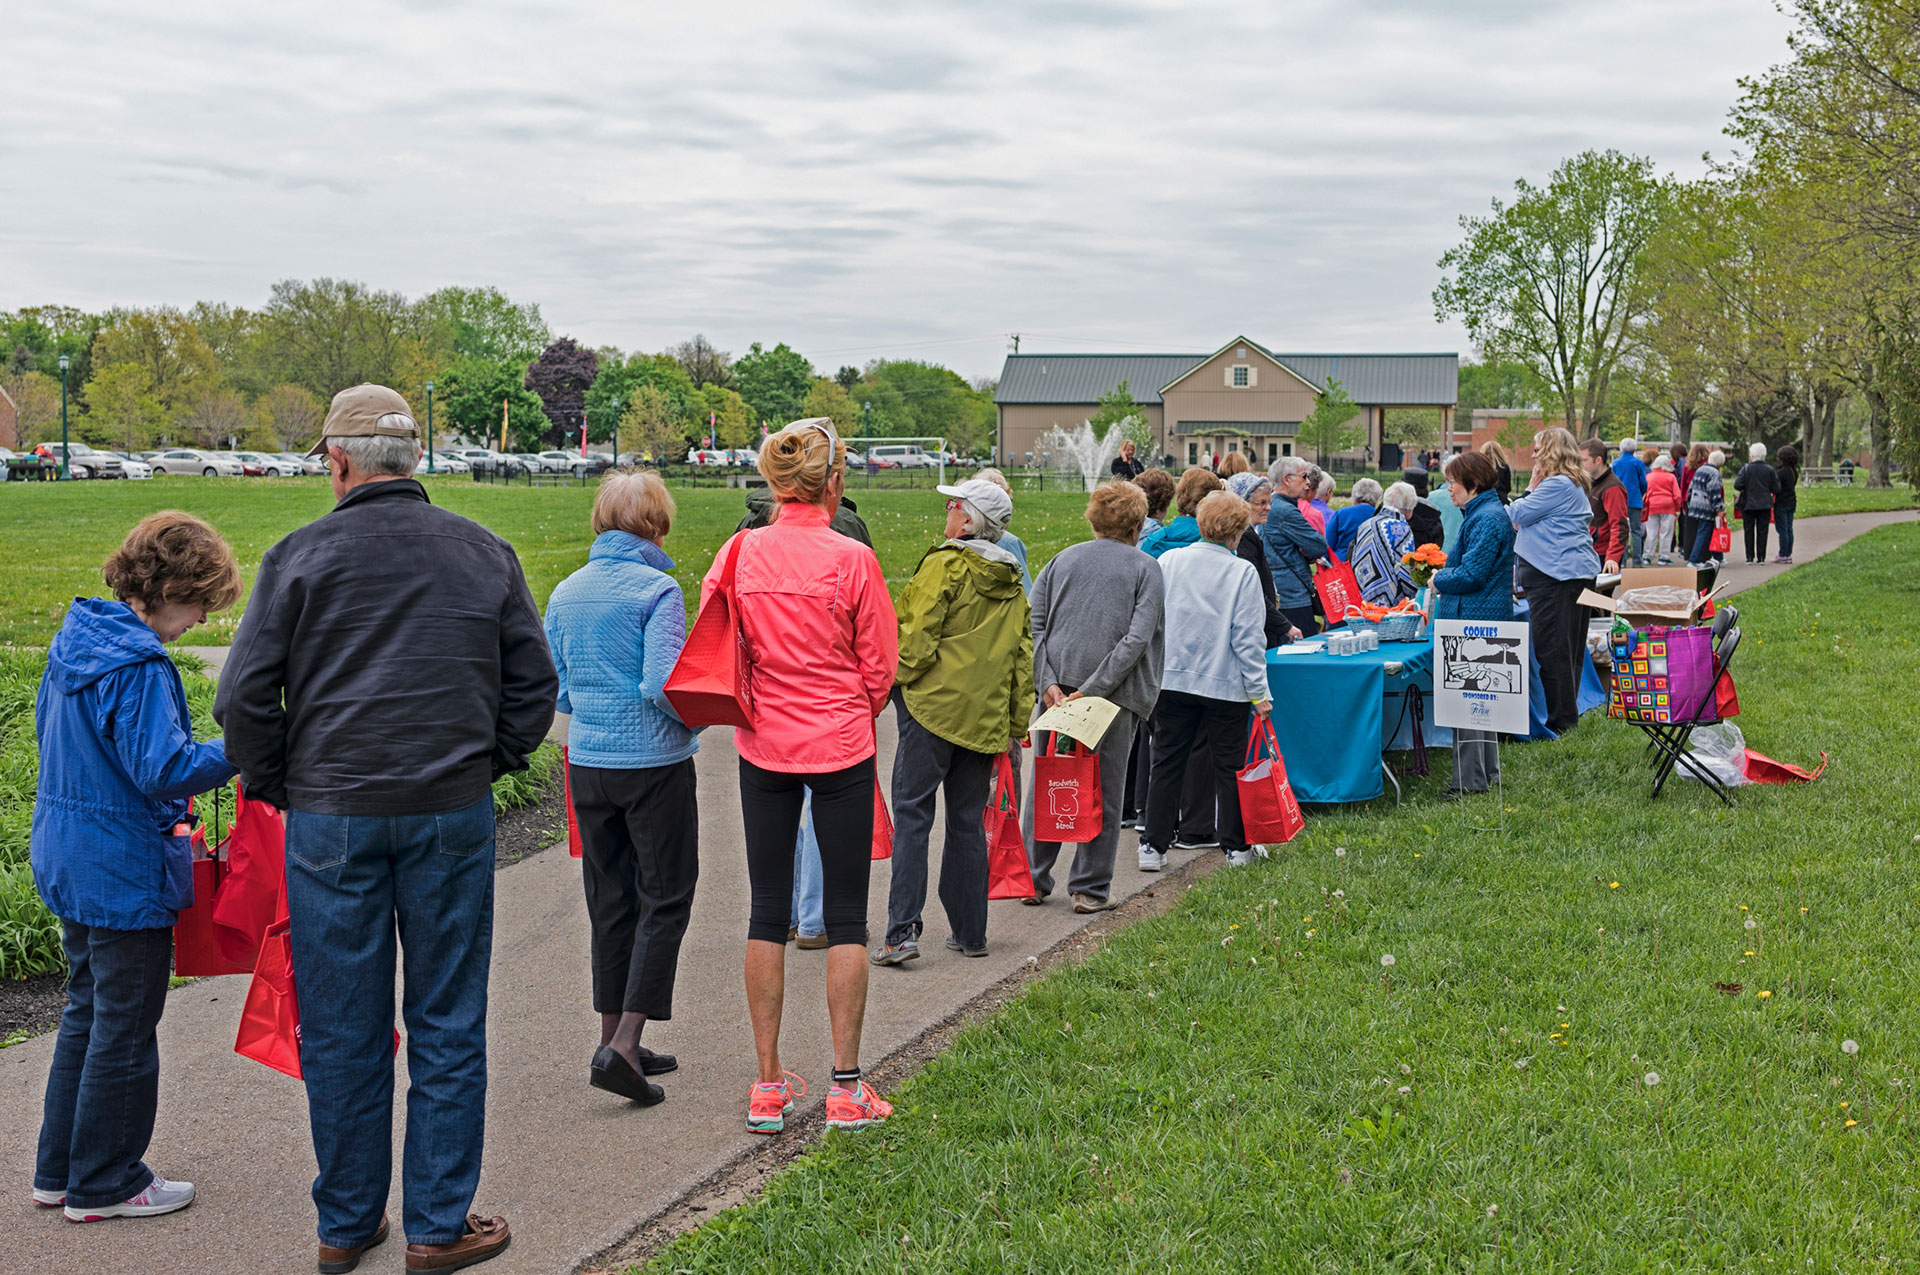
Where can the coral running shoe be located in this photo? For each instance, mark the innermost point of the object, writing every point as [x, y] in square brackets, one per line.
[855, 1108]
[769, 1104]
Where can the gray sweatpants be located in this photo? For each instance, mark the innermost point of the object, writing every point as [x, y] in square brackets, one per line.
[925, 764]
[1093, 860]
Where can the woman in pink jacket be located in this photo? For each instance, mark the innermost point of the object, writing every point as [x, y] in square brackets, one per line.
[823, 645]
[1663, 509]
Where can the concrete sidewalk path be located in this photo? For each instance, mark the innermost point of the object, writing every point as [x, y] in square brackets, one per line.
[1812, 538]
[572, 1169]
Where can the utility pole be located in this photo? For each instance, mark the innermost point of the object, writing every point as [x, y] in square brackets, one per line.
[1016, 341]
[66, 472]
[430, 468]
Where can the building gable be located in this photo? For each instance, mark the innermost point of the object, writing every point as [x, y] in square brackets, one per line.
[1224, 367]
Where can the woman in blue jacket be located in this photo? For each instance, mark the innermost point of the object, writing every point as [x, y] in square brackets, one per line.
[616, 627]
[1554, 544]
[1476, 584]
[113, 860]
[1194, 486]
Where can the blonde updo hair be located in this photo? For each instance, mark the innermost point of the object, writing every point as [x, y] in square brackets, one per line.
[799, 462]
[1556, 452]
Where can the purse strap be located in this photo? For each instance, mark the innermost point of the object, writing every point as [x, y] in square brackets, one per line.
[1261, 733]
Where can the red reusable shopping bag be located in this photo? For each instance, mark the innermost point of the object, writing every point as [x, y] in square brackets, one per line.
[196, 952]
[1721, 538]
[1338, 589]
[708, 685]
[270, 1021]
[1269, 812]
[1066, 791]
[253, 884]
[882, 822]
[573, 820]
[1009, 876]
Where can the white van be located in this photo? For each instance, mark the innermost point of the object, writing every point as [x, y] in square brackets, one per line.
[905, 456]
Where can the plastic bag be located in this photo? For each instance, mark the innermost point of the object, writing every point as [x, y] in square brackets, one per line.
[1722, 750]
[1657, 597]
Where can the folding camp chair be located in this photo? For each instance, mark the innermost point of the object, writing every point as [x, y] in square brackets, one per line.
[1723, 621]
[1671, 740]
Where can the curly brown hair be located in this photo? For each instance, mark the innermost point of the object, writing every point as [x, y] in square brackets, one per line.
[173, 557]
[1158, 484]
[1116, 510]
[1193, 487]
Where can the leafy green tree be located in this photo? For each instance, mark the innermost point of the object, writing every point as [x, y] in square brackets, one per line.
[651, 425]
[332, 333]
[213, 416]
[166, 348]
[292, 415]
[36, 400]
[847, 376]
[703, 364]
[232, 335]
[625, 379]
[469, 398]
[122, 409]
[1556, 279]
[1497, 383]
[773, 382]
[1334, 425]
[936, 401]
[1116, 408]
[34, 338]
[722, 413]
[829, 398]
[482, 323]
[561, 376]
[1414, 428]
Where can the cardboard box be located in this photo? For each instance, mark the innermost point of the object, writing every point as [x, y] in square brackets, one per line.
[1645, 577]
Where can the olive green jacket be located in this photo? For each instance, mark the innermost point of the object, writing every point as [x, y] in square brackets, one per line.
[966, 648]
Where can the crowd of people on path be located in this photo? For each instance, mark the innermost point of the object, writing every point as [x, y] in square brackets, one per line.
[391, 664]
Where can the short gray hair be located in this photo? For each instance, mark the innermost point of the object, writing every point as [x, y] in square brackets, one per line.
[1401, 496]
[1366, 492]
[1286, 467]
[1757, 452]
[1324, 487]
[1716, 458]
[382, 453]
[979, 526]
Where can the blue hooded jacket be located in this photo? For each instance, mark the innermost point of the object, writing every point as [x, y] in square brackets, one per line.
[1477, 582]
[1177, 534]
[117, 764]
[616, 627]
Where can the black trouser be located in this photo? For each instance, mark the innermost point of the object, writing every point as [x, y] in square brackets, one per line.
[1178, 720]
[1559, 628]
[1756, 521]
[1196, 823]
[770, 803]
[1137, 762]
[640, 858]
[1301, 618]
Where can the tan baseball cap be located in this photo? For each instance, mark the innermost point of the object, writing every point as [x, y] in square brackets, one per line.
[365, 410]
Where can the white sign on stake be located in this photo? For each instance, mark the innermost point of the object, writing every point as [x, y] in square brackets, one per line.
[1480, 675]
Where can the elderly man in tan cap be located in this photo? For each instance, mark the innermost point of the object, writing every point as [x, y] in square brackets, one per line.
[390, 666]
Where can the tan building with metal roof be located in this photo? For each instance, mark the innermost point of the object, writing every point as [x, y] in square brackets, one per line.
[1240, 398]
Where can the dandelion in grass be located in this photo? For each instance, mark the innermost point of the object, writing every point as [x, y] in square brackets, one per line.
[1652, 1078]
[1405, 1070]
[1613, 885]
[1752, 924]
[1849, 1046]
[1339, 852]
[1406, 1089]
[1765, 996]
[1339, 894]
[1386, 976]
[1850, 1123]
[1493, 1210]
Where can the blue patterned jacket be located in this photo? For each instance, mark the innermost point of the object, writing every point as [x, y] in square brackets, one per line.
[1477, 582]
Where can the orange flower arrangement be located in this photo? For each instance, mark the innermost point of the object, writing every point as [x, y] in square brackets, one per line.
[1423, 562]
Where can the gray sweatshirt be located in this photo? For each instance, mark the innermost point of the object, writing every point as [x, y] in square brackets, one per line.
[1097, 612]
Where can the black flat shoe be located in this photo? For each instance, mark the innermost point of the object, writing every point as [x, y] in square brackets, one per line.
[652, 1064]
[616, 1075]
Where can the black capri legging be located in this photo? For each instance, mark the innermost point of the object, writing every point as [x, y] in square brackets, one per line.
[770, 803]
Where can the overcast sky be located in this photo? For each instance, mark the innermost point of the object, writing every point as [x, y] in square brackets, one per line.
[860, 180]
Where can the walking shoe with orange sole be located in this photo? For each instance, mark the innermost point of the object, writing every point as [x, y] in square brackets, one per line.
[769, 1104]
[855, 1108]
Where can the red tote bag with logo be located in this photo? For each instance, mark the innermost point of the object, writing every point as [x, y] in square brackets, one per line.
[1269, 811]
[1338, 589]
[253, 882]
[1009, 875]
[196, 951]
[1066, 791]
[1720, 539]
[708, 685]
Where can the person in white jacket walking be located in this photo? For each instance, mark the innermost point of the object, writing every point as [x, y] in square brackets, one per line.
[1215, 668]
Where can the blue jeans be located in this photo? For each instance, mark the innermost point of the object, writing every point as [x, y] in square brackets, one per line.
[351, 882]
[809, 885]
[104, 1085]
[1783, 522]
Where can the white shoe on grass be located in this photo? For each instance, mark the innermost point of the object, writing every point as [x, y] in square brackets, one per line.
[161, 1196]
[1244, 858]
[1152, 860]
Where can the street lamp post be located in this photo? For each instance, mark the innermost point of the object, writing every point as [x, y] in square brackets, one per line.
[66, 474]
[616, 427]
[430, 468]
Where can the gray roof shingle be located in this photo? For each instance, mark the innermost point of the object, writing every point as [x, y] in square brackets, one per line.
[1425, 380]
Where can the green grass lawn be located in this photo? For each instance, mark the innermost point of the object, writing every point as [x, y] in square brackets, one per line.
[1240, 1085]
[58, 535]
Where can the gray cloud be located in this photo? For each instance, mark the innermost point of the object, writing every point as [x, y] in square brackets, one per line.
[855, 179]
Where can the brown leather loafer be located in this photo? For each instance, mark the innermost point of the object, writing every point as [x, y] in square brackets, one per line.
[486, 1237]
[338, 1261]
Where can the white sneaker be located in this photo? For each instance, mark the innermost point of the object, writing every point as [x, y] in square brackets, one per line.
[161, 1196]
[1243, 858]
[49, 1199]
[1152, 860]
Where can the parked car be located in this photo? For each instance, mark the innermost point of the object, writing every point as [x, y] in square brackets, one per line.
[83, 461]
[497, 464]
[903, 456]
[443, 463]
[268, 464]
[308, 465]
[461, 450]
[557, 462]
[131, 465]
[707, 457]
[531, 462]
[193, 460]
[592, 464]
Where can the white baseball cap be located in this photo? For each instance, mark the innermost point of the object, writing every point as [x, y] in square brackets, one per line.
[994, 505]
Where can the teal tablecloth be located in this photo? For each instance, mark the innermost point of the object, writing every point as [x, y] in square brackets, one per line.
[1335, 714]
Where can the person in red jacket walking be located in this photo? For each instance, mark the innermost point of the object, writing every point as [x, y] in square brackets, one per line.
[1612, 520]
[1663, 508]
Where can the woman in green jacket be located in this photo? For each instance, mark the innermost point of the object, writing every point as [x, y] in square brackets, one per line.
[963, 697]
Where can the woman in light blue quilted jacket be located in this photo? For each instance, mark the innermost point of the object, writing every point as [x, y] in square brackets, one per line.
[616, 627]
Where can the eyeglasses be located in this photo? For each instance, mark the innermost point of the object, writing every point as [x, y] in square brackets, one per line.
[955, 503]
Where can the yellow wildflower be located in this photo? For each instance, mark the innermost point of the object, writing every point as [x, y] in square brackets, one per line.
[1614, 885]
[1764, 995]
[1852, 1123]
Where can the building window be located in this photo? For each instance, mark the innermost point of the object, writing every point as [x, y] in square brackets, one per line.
[1193, 453]
[1240, 379]
[1233, 445]
[1286, 449]
[1240, 353]
[1273, 452]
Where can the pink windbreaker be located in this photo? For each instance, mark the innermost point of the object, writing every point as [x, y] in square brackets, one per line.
[1663, 492]
[824, 641]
